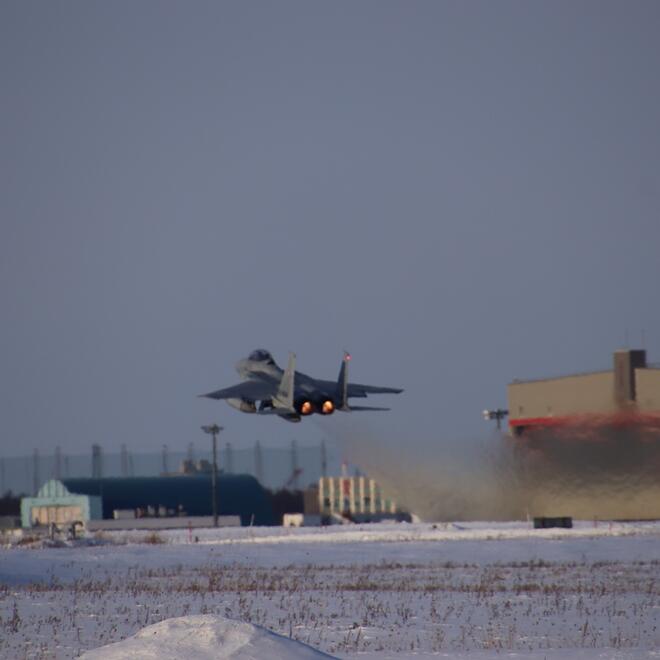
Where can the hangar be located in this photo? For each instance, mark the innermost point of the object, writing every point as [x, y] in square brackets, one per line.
[627, 394]
[62, 501]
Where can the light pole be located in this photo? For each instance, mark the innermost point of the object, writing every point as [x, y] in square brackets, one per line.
[498, 415]
[214, 430]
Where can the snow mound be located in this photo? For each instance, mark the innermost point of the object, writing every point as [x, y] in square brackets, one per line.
[203, 637]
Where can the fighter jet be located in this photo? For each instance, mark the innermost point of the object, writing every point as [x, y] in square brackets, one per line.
[289, 394]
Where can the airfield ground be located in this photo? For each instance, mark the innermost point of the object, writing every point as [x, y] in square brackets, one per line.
[469, 590]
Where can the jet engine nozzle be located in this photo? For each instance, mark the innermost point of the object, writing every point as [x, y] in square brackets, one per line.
[305, 407]
[327, 407]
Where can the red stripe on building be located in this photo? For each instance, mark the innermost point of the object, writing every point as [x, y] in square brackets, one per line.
[617, 419]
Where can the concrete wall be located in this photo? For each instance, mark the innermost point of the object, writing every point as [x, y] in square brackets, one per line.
[183, 522]
[647, 384]
[570, 395]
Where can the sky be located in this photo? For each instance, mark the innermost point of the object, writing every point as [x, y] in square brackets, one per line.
[459, 193]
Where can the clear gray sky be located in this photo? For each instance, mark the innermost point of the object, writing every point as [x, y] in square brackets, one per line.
[460, 193]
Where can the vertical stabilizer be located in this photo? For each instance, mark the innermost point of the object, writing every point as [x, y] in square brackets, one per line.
[342, 383]
[284, 397]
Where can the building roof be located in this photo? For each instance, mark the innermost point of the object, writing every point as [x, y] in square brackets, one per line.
[237, 494]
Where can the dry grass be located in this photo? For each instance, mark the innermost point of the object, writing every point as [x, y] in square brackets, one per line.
[153, 539]
[340, 609]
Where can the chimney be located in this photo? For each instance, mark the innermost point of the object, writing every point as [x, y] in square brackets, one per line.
[625, 363]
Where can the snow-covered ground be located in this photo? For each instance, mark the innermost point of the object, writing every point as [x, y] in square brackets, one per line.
[205, 637]
[468, 590]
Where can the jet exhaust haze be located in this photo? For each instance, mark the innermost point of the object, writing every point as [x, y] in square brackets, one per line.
[596, 475]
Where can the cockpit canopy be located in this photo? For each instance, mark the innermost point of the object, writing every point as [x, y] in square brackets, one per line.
[261, 355]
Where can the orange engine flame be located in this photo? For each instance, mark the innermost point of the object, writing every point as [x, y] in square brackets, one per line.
[306, 408]
[328, 407]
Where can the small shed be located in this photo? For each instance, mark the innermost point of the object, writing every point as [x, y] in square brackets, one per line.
[55, 503]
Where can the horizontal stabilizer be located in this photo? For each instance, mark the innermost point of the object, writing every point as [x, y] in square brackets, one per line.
[358, 408]
[362, 390]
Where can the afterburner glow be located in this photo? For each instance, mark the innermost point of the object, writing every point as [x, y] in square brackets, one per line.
[328, 407]
[306, 408]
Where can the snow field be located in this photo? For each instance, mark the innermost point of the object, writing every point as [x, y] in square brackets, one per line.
[530, 595]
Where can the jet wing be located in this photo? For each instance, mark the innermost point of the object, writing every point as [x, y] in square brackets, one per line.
[253, 390]
[355, 390]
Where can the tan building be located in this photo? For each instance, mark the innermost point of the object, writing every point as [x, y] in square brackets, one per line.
[628, 393]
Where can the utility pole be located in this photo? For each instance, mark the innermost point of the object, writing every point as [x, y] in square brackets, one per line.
[324, 460]
[498, 415]
[35, 472]
[57, 468]
[123, 460]
[97, 462]
[294, 464]
[258, 463]
[214, 430]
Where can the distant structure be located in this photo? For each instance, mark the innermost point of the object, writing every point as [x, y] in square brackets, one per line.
[97, 462]
[359, 499]
[292, 481]
[57, 463]
[36, 477]
[628, 395]
[258, 463]
[324, 460]
[165, 463]
[295, 470]
[202, 466]
[273, 466]
[123, 461]
[498, 414]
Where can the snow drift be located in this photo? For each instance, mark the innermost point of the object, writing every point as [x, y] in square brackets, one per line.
[203, 637]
